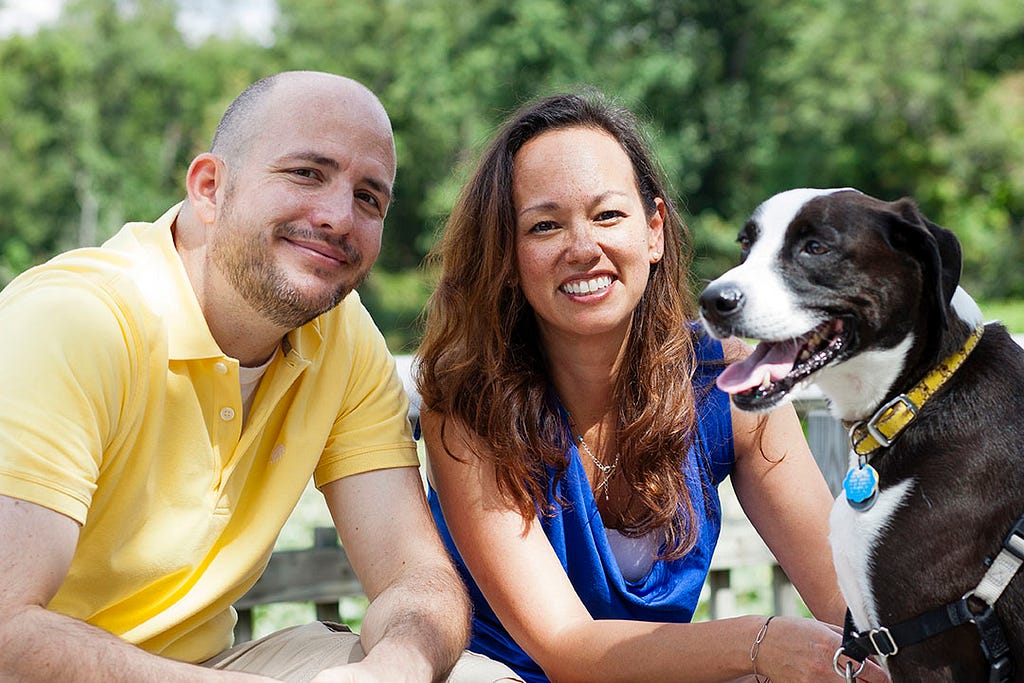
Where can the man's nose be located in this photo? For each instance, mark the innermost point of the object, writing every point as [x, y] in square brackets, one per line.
[334, 212]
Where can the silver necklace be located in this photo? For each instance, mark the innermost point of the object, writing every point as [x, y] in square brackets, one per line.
[606, 470]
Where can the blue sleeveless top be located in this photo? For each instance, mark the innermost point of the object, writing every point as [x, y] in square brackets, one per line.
[670, 590]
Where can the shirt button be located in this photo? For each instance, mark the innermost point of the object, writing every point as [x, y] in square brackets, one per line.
[227, 414]
[221, 368]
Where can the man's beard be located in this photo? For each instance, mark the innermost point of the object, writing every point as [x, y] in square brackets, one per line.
[249, 266]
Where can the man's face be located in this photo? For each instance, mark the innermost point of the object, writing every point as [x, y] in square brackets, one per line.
[302, 207]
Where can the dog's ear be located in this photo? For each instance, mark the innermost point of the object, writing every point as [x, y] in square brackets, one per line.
[937, 248]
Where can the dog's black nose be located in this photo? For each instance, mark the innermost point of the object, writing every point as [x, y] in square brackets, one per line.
[720, 301]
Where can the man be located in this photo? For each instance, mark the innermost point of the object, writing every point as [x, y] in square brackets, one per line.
[164, 400]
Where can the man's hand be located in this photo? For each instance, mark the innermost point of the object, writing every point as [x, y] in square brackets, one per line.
[417, 624]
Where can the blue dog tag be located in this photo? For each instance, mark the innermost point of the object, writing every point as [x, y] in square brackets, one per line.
[861, 486]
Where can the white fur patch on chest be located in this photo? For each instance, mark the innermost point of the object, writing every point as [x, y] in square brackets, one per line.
[859, 384]
[854, 535]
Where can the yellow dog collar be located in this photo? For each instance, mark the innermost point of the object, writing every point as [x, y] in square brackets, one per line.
[891, 419]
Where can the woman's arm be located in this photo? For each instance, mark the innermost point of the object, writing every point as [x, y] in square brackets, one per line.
[783, 493]
[526, 586]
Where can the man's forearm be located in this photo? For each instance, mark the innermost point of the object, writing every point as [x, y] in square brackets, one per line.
[427, 612]
[39, 645]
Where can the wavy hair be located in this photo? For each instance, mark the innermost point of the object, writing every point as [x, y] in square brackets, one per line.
[480, 361]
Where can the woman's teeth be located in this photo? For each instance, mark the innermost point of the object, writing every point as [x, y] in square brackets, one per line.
[587, 286]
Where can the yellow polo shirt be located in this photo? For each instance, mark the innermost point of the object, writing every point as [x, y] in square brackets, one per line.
[118, 410]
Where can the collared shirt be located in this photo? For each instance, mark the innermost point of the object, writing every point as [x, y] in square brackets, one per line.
[119, 410]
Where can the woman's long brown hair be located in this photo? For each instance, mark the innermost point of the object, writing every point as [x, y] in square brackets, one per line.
[480, 361]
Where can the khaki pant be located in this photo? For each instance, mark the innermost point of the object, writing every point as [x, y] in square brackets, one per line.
[296, 654]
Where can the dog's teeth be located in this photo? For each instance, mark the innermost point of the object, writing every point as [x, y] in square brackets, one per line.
[805, 354]
[766, 380]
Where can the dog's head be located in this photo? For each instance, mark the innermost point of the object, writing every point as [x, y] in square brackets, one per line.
[827, 276]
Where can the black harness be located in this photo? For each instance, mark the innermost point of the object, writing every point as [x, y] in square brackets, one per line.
[976, 607]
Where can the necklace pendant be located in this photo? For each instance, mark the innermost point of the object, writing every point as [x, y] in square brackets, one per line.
[861, 487]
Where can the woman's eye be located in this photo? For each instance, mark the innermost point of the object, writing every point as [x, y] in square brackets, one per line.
[606, 216]
[544, 226]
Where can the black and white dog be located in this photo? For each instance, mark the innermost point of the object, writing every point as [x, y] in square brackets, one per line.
[861, 297]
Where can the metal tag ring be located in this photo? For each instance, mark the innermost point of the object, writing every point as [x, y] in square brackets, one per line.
[840, 672]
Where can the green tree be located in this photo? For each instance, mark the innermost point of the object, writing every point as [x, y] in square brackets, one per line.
[102, 113]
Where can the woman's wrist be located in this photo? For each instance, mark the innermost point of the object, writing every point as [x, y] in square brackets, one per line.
[755, 649]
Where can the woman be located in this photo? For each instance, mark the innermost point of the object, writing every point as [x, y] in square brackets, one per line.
[574, 433]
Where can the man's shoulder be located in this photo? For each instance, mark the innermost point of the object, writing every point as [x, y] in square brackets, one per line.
[125, 277]
[126, 257]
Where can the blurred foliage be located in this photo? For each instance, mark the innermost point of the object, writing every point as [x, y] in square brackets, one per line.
[1010, 313]
[103, 110]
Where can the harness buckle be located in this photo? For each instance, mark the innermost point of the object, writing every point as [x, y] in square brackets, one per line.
[888, 641]
[872, 424]
[1014, 541]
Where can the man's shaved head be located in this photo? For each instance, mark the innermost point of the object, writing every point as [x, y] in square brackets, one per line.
[242, 119]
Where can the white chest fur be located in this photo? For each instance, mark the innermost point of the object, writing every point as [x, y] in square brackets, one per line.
[854, 535]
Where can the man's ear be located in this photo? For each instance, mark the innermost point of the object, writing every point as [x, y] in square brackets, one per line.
[204, 178]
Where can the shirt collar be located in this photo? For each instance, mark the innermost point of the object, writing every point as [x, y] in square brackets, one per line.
[167, 291]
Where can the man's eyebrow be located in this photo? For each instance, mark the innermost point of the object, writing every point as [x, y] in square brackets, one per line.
[319, 159]
[379, 187]
[315, 158]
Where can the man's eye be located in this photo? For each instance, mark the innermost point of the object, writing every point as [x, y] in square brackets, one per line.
[304, 172]
[368, 198]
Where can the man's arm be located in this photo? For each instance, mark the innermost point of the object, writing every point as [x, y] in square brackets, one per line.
[417, 624]
[36, 547]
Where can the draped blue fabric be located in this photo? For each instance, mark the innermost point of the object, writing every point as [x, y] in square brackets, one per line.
[670, 590]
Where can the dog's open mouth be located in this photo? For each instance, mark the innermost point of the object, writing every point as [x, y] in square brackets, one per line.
[774, 368]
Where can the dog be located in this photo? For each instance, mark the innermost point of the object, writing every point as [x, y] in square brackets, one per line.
[861, 297]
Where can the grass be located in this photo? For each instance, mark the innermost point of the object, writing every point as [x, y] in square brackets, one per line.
[1011, 313]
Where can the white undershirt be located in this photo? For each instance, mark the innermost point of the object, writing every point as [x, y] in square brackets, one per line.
[635, 556]
[250, 381]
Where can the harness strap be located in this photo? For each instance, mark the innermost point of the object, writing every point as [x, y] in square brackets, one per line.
[1004, 567]
[887, 640]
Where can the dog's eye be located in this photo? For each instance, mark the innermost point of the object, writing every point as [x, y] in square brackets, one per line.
[744, 242]
[815, 248]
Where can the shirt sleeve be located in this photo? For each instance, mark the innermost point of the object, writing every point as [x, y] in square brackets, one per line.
[372, 430]
[64, 375]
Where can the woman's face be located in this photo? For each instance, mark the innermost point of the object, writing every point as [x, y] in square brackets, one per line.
[584, 245]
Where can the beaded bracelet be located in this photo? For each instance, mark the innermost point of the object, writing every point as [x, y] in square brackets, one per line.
[756, 647]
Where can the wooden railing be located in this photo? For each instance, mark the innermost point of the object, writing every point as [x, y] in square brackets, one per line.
[320, 575]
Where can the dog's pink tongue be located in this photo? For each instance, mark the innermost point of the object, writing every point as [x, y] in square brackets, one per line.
[771, 361]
